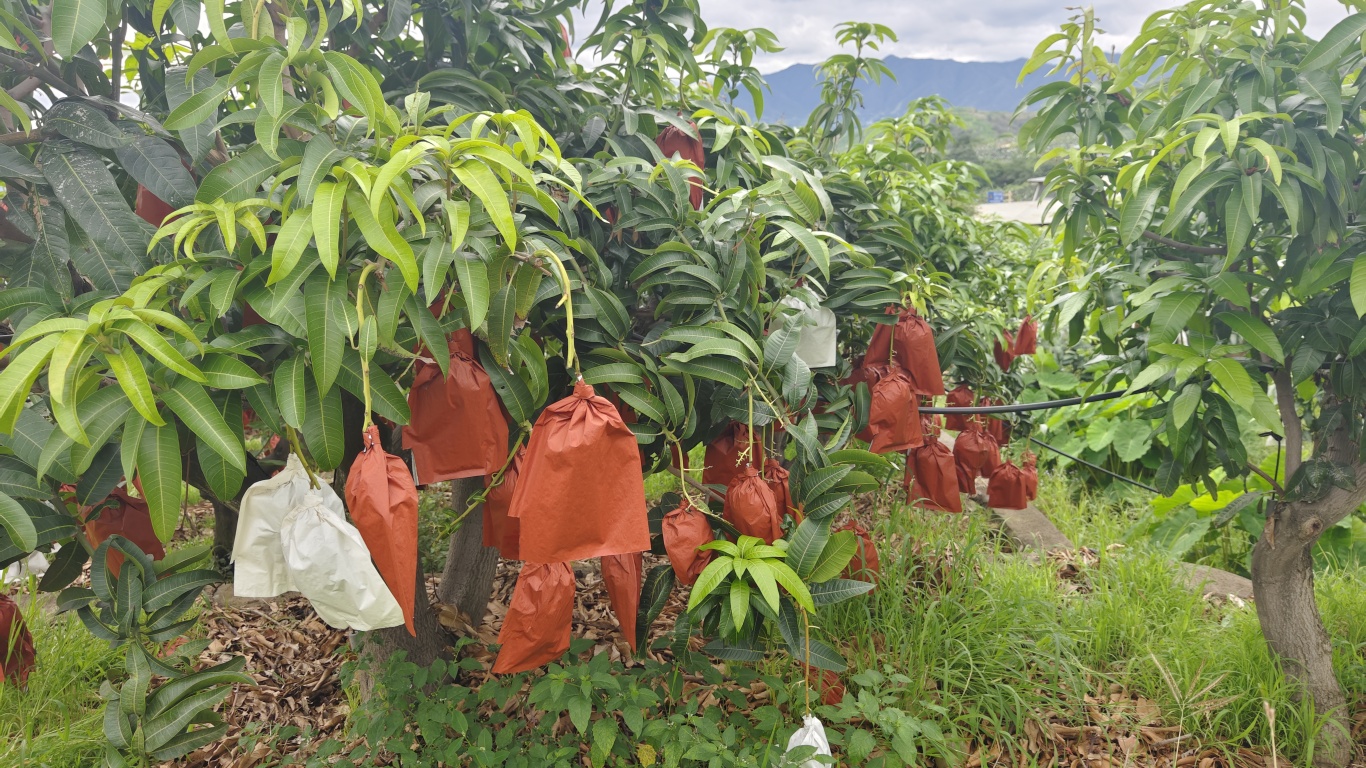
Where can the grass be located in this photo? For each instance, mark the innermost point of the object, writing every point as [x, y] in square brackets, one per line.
[56, 722]
[996, 641]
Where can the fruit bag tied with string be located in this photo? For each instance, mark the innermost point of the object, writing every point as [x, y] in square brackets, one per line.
[580, 493]
[462, 404]
[383, 503]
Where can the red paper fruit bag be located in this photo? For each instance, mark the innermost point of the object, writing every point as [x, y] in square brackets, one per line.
[580, 493]
[457, 428]
[915, 352]
[864, 566]
[999, 428]
[976, 451]
[501, 530]
[751, 508]
[777, 477]
[125, 516]
[536, 628]
[673, 141]
[932, 477]
[382, 500]
[686, 529]
[16, 644]
[1004, 357]
[1027, 338]
[621, 576]
[1030, 470]
[959, 397]
[893, 416]
[722, 460]
[1006, 489]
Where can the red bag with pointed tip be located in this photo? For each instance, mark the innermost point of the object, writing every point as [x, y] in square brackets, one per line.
[959, 397]
[1004, 357]
[580, 493]
[1030, 470]
[1027, 338]
[621, 575]
[722, 460]
[932, 477]
[457, 428]
[893, 416]
[126, 516]
[539, 618]
[1007, 488]
[778, 478]
[382, 500]
[864, 566]
[16, 644]
[673, 141]
[501, 530]
[685, 529]
[751, 508]
[996, 426]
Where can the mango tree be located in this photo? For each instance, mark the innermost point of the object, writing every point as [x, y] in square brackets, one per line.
[1209, 180]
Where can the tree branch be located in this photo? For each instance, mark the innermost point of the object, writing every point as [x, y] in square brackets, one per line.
[1204, 250]
[41, 73]
[1290, 418]
[1274, 485]
[17, 138]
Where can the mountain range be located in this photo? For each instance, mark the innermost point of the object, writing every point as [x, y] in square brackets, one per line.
[984, 85]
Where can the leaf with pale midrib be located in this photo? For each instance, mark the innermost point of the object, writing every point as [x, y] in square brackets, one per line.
[87, 190]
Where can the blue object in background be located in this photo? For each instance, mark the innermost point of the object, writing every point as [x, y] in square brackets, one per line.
[996, 196]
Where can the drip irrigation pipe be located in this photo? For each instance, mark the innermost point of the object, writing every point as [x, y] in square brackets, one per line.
[1065, 454]
[1022, 407]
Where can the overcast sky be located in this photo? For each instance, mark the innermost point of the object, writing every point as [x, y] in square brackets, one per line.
[966, 30]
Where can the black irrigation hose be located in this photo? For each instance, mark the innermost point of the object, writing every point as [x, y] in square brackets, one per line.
[1130, 481]
[1022, 407]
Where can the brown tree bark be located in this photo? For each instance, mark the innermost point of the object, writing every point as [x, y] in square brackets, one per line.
[1283, 584]
[467, 581]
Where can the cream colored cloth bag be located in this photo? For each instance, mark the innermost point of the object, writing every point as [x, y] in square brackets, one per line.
[817, 345]
[259, 565]
[330, 565]
[811, 734]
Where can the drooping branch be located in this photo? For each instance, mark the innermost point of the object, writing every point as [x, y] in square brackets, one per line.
[1290, 419]
[15, 139]
[1203, 250]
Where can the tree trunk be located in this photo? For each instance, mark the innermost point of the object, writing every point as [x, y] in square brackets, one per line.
[430, 643]
[467, 581]
[1283, 585]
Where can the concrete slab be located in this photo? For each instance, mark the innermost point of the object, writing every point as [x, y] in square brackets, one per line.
[1213, 582]
[1031, 529]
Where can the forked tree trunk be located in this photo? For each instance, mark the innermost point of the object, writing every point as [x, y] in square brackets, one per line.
[1283, 585]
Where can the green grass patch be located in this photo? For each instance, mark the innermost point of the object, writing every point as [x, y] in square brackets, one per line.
[57, 721]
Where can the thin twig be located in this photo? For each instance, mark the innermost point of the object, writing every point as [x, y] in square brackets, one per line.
[698, 486]
[1275, 485]
[1204, 250]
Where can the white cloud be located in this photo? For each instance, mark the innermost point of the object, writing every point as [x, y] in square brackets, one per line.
[965, 30]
